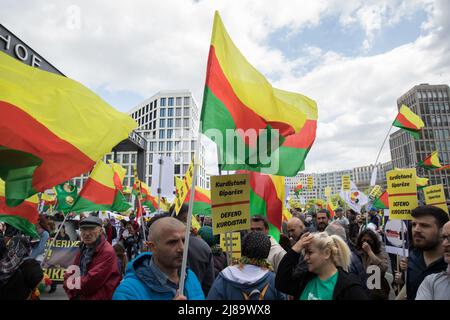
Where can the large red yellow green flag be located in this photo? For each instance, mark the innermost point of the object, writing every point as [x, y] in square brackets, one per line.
[267, 199]
[52, 129]
[142, 191]
[239, 99]
[408, 121]
[202, 201]
[431, 162]
[22, 217]
[100, 192]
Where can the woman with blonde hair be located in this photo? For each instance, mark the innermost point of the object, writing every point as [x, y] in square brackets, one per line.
[324, 276]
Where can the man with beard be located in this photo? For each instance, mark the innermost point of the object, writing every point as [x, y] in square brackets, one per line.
[437, 286]
[426, 257]
[322, 220]
[155, 275]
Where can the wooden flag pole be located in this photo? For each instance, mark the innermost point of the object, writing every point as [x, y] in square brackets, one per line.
[189, 217]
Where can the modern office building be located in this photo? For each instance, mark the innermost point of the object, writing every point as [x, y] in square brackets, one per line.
[362, 175]
[432, 104]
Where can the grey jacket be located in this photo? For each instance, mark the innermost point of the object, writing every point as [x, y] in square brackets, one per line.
[436, 286]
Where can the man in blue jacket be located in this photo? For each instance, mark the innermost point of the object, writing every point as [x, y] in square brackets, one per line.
[155, 275]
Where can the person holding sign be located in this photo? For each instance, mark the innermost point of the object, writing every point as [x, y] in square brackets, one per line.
[427, 256]
[252, 279]
[155, 275]
[328, 260]
[98, 274]
[437, 286]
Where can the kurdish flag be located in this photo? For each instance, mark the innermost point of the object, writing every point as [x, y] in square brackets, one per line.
[22, 217]
[100, 192]
[408, 121]
[298, 189]
[238, 99]
[431, 162]
[52, 129]
[142, 189]
[202, 201]
[267, 199]
[421, 182]
[446, 167]
[382, 202]
[331, 207]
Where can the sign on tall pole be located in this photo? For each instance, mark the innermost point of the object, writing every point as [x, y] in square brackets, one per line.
[402, 190]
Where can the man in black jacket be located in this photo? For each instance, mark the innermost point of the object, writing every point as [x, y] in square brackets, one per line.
[200, 258]
[426, 257]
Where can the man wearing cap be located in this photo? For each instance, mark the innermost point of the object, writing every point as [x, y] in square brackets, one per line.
[340, 218]
[96, 274]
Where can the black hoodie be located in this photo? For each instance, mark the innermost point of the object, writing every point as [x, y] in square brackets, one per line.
[348, 286]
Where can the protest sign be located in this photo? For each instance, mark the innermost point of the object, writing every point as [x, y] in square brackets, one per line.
[346, 183]
[402, 190]
[309, 182]
[230, 203]
[236, 244]
[434, 196]
[59, 257]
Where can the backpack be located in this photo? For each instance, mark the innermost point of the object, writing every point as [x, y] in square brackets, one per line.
[256, 294]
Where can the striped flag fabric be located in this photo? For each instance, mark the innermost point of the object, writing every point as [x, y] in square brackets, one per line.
[142, 191]
[202, 201]
[100, 192]
[409, 121]
[298, 188]
[431, 162]
[267, 199]
[52, 129]
[22, 217]
[239, 99]
[382, 202]
[421, 182]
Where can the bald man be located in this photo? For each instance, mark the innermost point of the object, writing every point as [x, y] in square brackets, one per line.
[155, 275]
[295, 229]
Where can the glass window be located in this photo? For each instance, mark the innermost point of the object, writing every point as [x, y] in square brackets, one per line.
[185, 167]
[177, 145]
[178, 101]
[178, 112]
[186, 112]
[192, 145]
[162, 134]
[186, 122]
[185, 145]
[177, 169]
[133, 158]
[126, 158]
[162, 102]
[178, 122]
[154, 114]
[177, 157]
[170, 112]
[161, 146]
[186, 157]
[162, 123]
[162, 112]
[170, 102]
[169, 123]
[169, 133]
[187, 100]
[169, 145]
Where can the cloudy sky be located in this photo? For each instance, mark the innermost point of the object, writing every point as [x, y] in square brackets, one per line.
[353, 57]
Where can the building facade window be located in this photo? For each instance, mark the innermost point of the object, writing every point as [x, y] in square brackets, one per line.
[162, 102]
[170, 102]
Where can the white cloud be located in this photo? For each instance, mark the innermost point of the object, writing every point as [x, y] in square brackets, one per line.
[147, 46]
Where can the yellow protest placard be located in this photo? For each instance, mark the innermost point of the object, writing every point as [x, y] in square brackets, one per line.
[402, 190]
[230, 203]
[183, 188]
[327, 192]
[236, 244]
[435, 196]
[309, 181]
[346, 183]
[375, 192]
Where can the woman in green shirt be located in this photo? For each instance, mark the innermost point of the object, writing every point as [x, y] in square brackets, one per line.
[324, 274]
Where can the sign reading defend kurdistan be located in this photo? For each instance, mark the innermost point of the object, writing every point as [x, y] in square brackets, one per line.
[230, 203]
[434, 196]
[402, 190]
